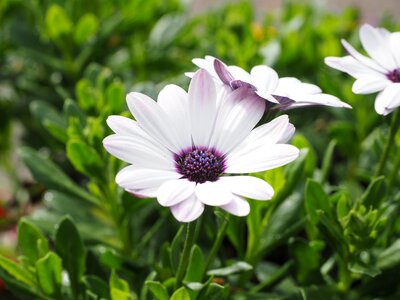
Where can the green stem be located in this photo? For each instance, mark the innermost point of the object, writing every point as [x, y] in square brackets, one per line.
[394, 126]
[218, 241]
[183, 263]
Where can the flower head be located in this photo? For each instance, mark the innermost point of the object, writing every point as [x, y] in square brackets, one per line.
[284, 93]
[191, 149]
[378, 73]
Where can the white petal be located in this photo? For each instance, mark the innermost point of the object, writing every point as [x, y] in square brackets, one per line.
[388, 100]
[139, 151]
[260, 159]
[288, 134]
[264, 78]
[248, 186]
[368, 85]
[267, 134]
[317, 99]
[238, 113]
[351, 66]
[213, 193]
[138, 180]
[202, 107]
[238, 207]
[174, 101]
[239, 74]
[188, 210]
[153, 120]
[395, 45]
[124, 126]
[172, 192]
[363, 59]
[377, 46]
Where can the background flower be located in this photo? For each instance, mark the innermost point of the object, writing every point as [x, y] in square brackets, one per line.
[378, 73]
[286, 92]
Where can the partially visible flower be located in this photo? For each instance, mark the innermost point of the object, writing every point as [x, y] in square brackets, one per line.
[182, 148]
[378, 73]
[285, 92]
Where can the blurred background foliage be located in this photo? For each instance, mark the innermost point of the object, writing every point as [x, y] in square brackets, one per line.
[331, 231]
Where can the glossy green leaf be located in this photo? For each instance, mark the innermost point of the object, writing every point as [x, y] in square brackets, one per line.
[17, 271]
[115, 96]
[196, 265]
[158, 290]
[316, 199]
[48, 173]
[98, 286]
[235, 268]
[31, 241]
[85, 159]
[48, 272]
[119, 288]
[375, 193]
[180, 294]
[72, 251]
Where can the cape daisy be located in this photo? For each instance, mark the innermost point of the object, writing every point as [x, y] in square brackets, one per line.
[182, 147]
[284, 92]
[378, 73]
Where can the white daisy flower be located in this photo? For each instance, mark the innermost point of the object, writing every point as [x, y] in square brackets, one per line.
[286, 92]
[182, 148]
[378, 73]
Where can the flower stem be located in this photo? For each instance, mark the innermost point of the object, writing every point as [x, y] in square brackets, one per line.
[217, 242]
[183, 263]
[394, 126]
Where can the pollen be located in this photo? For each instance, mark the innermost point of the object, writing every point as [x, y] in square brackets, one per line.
[200, 164]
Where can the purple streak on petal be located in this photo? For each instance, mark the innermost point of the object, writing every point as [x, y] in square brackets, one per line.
[284, 102]
[235, 84]
[222, 72]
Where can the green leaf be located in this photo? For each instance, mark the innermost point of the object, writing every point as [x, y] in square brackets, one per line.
[389, 257]
[180, 294]
[57, 22]
[316, 199]
[375, 193]
[175, 250]
[326, 162]
[343, 207]
[98, 286]
[119, 288]
[196, 265]
[50, 119]
[48, 173]
[215, 292]
[86, 28]
[158, 290]
[70, 247]
[115, 96]
[86, 94]
[72, 110]
[284, 222]
[364, 269]
[237, 267]
[48, 272]
[17, 271]
[31, 241]
[332, 233]
[85, 159]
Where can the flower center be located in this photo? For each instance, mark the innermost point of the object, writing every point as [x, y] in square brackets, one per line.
[394, 75]
[200, 164]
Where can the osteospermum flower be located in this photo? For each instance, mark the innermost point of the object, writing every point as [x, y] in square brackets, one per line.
[378, 73]
[286, 92]
[182, 148]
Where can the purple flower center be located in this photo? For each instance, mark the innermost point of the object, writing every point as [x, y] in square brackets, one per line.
[394, 75]
[200, 164]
